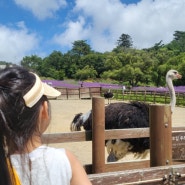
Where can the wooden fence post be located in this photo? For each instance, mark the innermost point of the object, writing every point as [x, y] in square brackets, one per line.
[67, 93]
[160, 135]
[98, 135]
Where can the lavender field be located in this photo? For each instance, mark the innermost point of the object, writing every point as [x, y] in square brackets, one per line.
[178, 89]
[64, 84]
[140, 93]
[57, 83]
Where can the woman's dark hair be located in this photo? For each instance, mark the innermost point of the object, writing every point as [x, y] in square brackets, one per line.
[17, 122]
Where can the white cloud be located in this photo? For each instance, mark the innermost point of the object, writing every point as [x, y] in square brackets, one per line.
[74, 31]
[100, 22]
[16, 43]
[42, 9]
[103, 22]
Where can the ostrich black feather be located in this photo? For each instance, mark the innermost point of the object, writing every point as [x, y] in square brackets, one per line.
[120, 116]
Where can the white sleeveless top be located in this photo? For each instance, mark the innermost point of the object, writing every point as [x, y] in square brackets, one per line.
[43, 166]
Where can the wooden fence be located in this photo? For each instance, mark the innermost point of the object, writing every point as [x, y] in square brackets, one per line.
[79, 93]
[146, 96]
[149, 96]
[133, 172]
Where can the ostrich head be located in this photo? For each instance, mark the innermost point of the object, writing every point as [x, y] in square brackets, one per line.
[173, 74]
[170, 76]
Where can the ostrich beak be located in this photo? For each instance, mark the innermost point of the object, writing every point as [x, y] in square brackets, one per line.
[111, 157]
[179, 76]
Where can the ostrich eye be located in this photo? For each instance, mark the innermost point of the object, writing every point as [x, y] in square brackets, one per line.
[175, 72]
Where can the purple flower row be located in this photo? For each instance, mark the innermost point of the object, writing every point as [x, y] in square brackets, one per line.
[178, 89]
[58, 83]
[99, 84]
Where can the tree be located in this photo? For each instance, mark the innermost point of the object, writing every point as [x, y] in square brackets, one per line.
[179, 35]
[69, 64]
[52, 66]
[124, 41]
[156, 46]
[32, 62]
[178, 43]
[160, 59]
[86, 73]
[80, 48]
[112, 62]
[95, 60]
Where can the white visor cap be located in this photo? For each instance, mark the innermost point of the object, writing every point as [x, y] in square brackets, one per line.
[37, 91]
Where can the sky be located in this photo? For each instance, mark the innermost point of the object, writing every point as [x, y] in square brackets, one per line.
[39, 27]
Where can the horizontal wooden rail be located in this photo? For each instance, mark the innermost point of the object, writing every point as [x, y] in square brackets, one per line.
[126, 133]
[82, 136]
[120, 166]
[126, 165]
[67, 137]
[109, 134]
[149, 176]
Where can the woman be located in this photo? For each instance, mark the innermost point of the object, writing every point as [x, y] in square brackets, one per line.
[24, 116]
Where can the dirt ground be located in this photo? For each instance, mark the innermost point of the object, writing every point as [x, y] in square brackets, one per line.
[63, 112]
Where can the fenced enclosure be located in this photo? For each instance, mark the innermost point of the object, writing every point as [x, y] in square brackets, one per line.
[137, 172]
[130, 95]
[151, 96]
[148, 96]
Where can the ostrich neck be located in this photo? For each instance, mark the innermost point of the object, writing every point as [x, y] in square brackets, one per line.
[171, 92]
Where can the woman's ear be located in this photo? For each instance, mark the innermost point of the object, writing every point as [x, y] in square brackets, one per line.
[45, 110]
[44, 117]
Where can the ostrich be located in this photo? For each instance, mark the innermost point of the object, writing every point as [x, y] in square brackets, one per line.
[108, 95]
[123, 115]
[170, 76]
